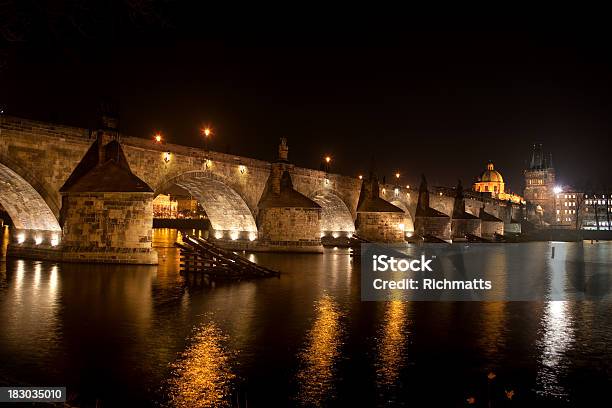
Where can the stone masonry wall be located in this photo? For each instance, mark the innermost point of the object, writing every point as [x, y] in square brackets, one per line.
[460, 227]
[490, 228]
[290, 229]
[114, 227]
[439, 227]
[381, 226]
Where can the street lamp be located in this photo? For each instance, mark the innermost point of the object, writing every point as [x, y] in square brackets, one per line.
[397, 175]
[206, 132]
[158, 138]
[327, 163]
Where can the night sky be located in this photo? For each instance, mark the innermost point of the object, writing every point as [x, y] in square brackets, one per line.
[435, 102]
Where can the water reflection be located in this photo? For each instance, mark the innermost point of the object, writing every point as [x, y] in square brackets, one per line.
[203, 376]
[113, 333]
[494, 327]
[392, 348]
[30, 313]
[557, 330]
[319, 357]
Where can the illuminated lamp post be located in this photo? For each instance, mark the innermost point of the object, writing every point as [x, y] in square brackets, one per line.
[206, 132]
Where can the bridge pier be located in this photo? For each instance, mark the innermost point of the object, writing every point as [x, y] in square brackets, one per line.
[107, 212]
[287, 220]
[429, 221]
[378, 220]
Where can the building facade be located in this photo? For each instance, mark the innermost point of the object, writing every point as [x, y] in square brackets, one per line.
[568, 206]
[579, 210]
[164, 207]
[491, 182]
[540, 185]
[597, 211]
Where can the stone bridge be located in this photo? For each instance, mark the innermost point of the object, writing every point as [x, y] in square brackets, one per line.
[37, 158]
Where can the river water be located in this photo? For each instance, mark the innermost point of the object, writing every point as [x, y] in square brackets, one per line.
[146, 336]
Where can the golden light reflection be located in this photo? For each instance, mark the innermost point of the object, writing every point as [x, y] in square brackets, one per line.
[493, 335]
[202, 377]
[4, 240]
[19, 275]
[53, 281]
[37, 269]
[392, 343]
[317, 359]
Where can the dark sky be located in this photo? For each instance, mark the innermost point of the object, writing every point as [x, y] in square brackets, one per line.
[435, 102]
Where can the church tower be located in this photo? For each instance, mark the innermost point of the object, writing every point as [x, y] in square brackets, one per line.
[540, 184]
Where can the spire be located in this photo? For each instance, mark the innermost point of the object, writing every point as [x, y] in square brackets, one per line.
[283, 150]
[423, 203]
[537, 157]
[459, 205]
[550, 162]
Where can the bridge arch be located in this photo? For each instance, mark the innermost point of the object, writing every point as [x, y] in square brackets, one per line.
[336, 218]
[24, 204]
[227, 211]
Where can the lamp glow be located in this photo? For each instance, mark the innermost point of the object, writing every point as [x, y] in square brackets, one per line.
[557, 189]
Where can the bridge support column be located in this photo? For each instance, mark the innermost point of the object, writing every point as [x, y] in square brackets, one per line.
[107, 212]
[430, 222]
[108, 228]
[287, 220]
[377, 219]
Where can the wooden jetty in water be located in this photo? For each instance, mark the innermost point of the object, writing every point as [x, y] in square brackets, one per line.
[201, 256]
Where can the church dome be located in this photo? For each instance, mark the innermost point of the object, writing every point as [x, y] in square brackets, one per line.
[491, 175]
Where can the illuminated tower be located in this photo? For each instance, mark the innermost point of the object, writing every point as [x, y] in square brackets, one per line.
[540, 183]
